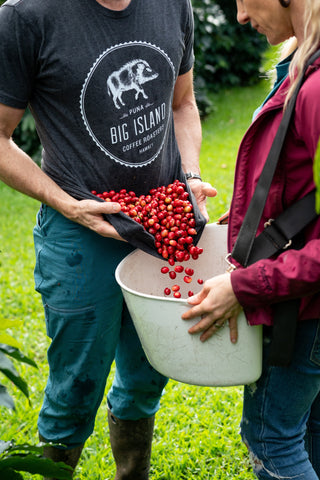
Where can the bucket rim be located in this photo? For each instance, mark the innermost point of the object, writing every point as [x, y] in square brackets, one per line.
[182, 301]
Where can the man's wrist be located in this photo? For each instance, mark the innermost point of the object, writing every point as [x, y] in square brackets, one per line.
[192, 175]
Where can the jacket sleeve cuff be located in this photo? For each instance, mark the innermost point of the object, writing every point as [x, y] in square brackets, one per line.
[247, 283]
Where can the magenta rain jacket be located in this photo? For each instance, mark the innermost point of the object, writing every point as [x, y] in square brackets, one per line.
[293, 274]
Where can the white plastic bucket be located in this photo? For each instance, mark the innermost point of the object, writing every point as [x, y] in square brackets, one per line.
[164, 336]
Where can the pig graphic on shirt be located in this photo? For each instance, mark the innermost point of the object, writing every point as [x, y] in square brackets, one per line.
[131, 76]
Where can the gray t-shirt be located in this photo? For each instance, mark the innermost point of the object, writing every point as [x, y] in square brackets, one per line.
[99, 84]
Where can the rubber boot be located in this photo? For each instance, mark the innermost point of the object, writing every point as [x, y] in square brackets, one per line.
[68, 456]
[131, 446]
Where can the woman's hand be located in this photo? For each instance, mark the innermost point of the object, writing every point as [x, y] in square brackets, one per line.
[202, 190]
[215, 304]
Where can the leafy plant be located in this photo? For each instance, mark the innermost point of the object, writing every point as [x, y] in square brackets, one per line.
[316, 171]
[25, 458]
[29, 458]
[25, 135]
[227, 54]
[7, 367]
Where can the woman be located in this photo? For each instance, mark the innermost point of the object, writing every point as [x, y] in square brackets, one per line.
[281, 413]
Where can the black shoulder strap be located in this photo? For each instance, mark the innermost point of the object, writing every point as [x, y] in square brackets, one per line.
[249, 248]
[244, 243]
[279, 234]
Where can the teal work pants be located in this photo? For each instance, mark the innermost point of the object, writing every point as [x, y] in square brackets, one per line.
[89, 326]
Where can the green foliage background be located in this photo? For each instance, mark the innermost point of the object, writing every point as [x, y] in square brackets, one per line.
[226, 53]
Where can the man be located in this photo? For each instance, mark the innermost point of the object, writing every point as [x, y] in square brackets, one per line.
[109, 83]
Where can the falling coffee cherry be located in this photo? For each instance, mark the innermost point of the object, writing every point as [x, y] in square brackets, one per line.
[175, 288]
[164, 269]
[178, 268]
[189, 271]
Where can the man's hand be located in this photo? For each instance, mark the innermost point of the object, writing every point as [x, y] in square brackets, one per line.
[202, 190]
[89, 213]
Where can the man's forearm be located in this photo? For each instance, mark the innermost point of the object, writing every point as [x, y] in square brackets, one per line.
[20, 172]
[188, 133]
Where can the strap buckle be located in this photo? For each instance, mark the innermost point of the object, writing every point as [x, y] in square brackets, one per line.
[231, 266]
[269, 223]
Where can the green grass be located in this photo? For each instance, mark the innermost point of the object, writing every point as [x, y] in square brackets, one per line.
[222, 134]
[197, 428]
[223, 131]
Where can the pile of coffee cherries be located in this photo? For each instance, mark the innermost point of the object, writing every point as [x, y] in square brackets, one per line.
[167, 214]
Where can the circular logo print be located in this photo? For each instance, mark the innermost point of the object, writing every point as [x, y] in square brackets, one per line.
[126, 102]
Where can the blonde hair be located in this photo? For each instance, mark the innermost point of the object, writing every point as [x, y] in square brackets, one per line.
[310, 44]
[288, 47]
